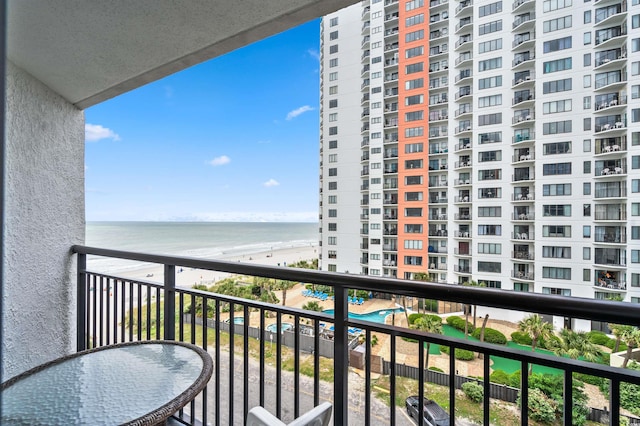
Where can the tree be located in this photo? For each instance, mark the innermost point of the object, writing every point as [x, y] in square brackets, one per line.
[537, 329]
[631, 337]
[429, 324]
[484, 325]
[574, 344]
[312, 306]
[284, 285]
[618, 331]
[421, 276]
[473, 283]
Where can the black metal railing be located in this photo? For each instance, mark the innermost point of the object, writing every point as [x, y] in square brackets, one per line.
[113, 309]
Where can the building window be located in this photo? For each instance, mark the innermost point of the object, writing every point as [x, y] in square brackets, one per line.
[556, 252]
[414, 4]
[333, 144]
[490, 9]
[586, 275]
[333, 90]
[490, 248]
[586, 231]
[549, 5]
[490, 64]
[413, 229]
[556, 106]
[556, 127]
[414, 84]
[556, 231]
[413, 132]
[490, 27]
[556, 148]
[333, 49]
[563, 85]
[413, 260]
[414, 35]
[413, 68]
[557, 210]
[333, 76]
[413, 164]
[489, 229]
[557, 44]
[488, 119]
[586, 210]
[332, 241]
[413, 244]
[333, 186]
[333, 227]
[523, 287]
[414, 100]
[489, 101]
[414, 20]
[556, 24]
[333, 117]
[557, 65]
[489, 82]
[586, 167]
[488, 46]
[413, 212]
[556, 189]
[489, 211]
[492, 267]
[333, 130]
[333, 213]
[586, 188]
[556, 169]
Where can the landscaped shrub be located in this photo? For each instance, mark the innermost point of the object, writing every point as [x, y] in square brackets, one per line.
[541, 408]
[458, 323]
[428, 305]
[433, 368]
[473, 391]
[491, 335]
[521, 338]
[592, 380]
[598, 338]
[413, 317]
[629, 393]
[514, 379]
[500, 377]
[611, 344]
[550, 343]
[461, 354]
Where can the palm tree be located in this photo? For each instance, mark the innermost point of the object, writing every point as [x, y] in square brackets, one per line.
[537, 329]
[430, 324]
[284, 285]
[631, 337]
[618, 330]
[312, 306]
[574, 344]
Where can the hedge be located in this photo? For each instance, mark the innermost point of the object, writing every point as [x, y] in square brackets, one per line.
[491, 335]
[461, 354]
[521, 338]
[413, 317]
[458, 323]
[500, 377]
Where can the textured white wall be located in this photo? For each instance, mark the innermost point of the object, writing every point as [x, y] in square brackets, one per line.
[44, 217]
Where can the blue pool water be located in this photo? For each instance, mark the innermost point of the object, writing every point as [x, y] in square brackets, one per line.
[284, 327]
[236, 320]
[375, 316]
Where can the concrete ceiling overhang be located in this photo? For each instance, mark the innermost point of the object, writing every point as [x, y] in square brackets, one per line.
[92, 50]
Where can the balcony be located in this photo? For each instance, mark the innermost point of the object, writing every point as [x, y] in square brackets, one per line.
[522, 275]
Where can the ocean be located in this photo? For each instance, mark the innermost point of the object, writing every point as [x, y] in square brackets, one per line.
[194, 239]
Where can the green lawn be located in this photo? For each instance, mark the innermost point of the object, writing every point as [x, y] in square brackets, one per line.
[498, 363]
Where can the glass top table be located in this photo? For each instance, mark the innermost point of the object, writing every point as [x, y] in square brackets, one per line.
[137, 383]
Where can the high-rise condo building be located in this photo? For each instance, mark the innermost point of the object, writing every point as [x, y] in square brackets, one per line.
[487, 141]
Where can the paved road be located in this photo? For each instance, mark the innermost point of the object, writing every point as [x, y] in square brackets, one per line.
[380, 413]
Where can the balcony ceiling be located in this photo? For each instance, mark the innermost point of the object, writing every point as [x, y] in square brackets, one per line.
[92, 50]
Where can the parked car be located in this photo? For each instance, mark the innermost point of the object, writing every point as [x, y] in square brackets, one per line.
[434, 415]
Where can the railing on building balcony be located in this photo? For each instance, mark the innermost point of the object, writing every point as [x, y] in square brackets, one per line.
[113, 309]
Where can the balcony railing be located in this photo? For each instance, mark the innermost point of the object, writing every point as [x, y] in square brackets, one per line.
[113, 309]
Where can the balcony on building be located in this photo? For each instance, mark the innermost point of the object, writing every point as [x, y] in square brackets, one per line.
[464, 231]
[489, 193]
[523, 21]
[463, 249]
[610, 167]
[389, 47]
[524, 40]
[610, 59]
[522, 272]
[526, 135]
[463, 267]
[523, 193]
[522, 116]
[438, 230]
[390, 230]
[523, 154]
[522, 96]
[520, 6]
[463, 24]
[610, 279]
[464, 196]
[434, 4]
[610, 235]
[462, 145]
[438, 198]
[522, 213]
[610, 80]
[437, 19]
[610, 123]
[523, 232]
[523, 252]
[463, 162]
[609, 102]
[612, 37]
[522, 59]
[610, 15]
[437, 34]
[462, 40]
[464, 59]
[610, 189]
[464, 213]
[611, 257]
[523, 174]
[436, 148]
[464, 127]
[436, 65]
[610, 212]
[523, 78]
[611, 145]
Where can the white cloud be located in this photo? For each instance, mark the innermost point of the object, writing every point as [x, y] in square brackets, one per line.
[314, 53]
[270, 183]
[96, 132]
[296, 112]
[220, 161]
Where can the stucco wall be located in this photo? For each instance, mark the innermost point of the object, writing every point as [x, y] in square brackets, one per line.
[44, 217]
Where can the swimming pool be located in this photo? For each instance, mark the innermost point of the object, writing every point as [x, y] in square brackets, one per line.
[236, 320]
[286, 326]
[375, 316]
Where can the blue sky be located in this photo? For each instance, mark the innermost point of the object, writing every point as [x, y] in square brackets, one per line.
[235, 138]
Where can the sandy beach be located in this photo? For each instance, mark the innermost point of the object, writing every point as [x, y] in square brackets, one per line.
[188, 277]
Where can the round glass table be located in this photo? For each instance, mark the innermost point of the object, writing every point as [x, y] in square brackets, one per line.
[137, 383]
